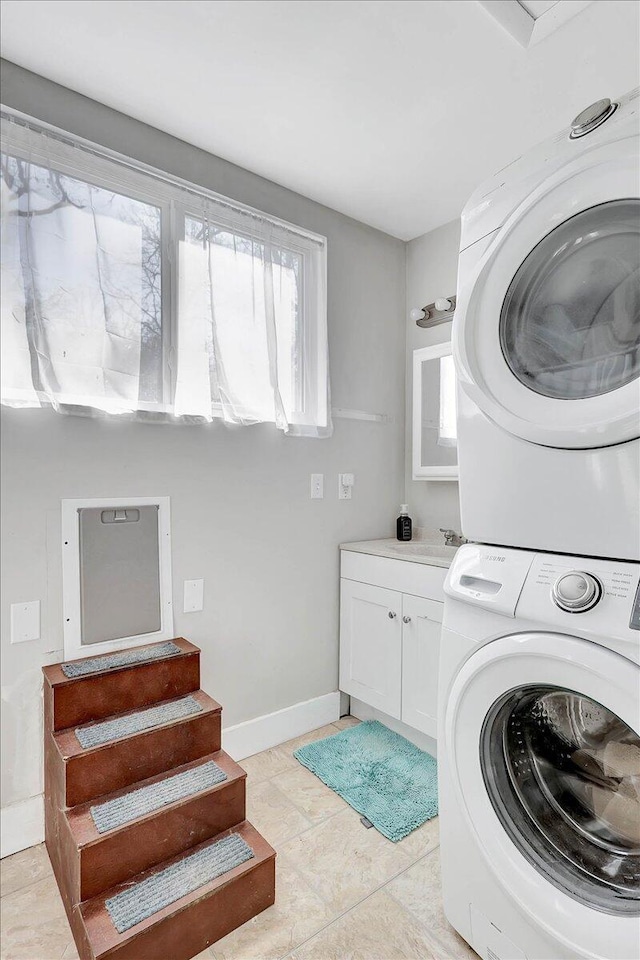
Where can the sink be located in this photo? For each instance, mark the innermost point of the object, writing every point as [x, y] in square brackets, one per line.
[417, 548]
[419, 551]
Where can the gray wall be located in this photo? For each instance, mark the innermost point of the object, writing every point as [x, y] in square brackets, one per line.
[432, 271]
[241, 513]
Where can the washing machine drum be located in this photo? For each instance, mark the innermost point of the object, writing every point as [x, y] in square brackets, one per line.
[563, 775]
[542, 737]
[548, 338]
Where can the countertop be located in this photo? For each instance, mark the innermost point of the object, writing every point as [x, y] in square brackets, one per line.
[428, 548]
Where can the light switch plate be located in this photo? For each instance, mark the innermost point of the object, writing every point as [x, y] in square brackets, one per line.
[193, 596]
[317, 486]
[25, 621]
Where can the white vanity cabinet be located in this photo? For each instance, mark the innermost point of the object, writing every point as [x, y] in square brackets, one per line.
[421, 628]
[371, 645]
[390, 624]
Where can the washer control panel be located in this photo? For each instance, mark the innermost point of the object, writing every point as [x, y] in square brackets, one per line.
[587, 594]
[580, 596]
[576, 591]
[596, 598]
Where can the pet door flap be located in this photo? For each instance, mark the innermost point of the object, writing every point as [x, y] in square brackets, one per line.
[119, 572]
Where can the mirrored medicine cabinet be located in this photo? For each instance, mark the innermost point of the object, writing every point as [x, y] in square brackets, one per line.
[435, 441]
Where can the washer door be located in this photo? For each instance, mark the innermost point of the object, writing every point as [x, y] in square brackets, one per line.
[543, 740]
[547, 336]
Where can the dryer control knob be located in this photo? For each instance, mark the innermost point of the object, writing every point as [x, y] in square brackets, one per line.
[591, 117]
[576, 591]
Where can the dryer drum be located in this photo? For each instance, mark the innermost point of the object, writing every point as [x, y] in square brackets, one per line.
[563, 775]
[570, 321]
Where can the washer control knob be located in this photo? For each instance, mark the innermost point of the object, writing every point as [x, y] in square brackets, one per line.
[591, 117]
[576, 591]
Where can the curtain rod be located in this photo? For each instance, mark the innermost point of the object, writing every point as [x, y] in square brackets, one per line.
[104, 153]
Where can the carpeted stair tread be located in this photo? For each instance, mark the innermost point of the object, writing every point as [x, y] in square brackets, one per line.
[139, 901]
[379, 773]
[131, 806]
[118, 727]
[124, 658]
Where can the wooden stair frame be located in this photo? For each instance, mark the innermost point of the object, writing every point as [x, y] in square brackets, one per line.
[90, 866]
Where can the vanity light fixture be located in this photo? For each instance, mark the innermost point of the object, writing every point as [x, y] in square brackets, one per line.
[434, 313]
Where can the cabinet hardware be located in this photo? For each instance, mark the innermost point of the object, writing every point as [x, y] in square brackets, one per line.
[391, 615]
[406, 619]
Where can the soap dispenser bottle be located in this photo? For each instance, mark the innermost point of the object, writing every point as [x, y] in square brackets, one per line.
[403, 523]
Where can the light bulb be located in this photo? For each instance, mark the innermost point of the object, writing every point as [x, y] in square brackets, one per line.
[417, 314]
[443, 304]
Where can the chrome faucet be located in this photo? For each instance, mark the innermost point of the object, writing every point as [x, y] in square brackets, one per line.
[451, 538]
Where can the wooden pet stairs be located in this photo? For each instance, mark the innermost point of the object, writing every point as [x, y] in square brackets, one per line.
[95, 868]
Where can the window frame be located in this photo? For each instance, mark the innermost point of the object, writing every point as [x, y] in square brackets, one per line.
[300, 417]
[48, 159]
[176, 199]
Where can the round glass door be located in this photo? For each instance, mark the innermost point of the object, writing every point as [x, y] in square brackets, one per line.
[563, 775]
[570, 321]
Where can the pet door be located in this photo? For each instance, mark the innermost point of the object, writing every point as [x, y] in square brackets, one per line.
[116, 574]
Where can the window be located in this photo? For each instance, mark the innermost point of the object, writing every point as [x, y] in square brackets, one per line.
[124, 291]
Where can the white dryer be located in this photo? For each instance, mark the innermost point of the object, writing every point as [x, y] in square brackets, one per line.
[546, 341]
[539, 755]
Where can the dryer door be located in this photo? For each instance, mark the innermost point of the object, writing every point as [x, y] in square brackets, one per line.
[543, 740]
[547, 330]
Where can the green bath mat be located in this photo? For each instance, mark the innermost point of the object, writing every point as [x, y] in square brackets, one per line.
[380, 774]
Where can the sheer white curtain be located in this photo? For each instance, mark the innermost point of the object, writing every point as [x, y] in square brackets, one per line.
[249, 347]
[125, 292]
[81, 323]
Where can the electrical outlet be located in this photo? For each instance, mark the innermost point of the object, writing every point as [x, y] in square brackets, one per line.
[317, 486]
[193, 596]
[25, 621]
[345, 485]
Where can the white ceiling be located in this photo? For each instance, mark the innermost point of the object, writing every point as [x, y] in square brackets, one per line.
[391, 111]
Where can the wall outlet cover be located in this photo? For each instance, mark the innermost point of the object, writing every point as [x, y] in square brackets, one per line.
[25, 621]
[345, 485]
[193, 596]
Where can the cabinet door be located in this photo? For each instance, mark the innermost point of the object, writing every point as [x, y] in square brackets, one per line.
[422, 624]
[371, 645]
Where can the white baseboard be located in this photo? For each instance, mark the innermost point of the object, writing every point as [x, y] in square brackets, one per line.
[22, 825]
[364, 712]
[253, 736]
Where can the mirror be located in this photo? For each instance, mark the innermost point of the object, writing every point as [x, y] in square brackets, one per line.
[435, 444]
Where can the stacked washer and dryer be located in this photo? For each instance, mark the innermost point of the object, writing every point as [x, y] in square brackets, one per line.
[539, 729]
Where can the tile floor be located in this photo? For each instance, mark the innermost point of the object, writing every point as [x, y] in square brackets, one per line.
[343, 892]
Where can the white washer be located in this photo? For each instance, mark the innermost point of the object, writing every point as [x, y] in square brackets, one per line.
[546, 340]
[539, 755]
